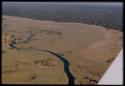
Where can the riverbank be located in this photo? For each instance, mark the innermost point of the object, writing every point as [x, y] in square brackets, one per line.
[90, 49]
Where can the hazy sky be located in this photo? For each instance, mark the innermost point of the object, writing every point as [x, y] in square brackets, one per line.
[89, 3]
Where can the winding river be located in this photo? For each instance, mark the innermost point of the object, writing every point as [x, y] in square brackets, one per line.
[67, 69]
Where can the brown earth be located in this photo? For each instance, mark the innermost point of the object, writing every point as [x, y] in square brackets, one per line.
[88, 49]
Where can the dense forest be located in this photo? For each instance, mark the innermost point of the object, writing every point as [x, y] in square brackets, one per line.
[103, 15]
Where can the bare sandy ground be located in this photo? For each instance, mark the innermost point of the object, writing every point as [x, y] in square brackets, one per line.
[90, 50]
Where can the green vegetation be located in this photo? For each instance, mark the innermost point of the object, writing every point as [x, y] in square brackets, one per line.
[4, 52]
[61, 54]
[107, 16]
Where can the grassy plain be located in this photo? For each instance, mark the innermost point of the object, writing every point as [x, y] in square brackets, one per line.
[90, 49]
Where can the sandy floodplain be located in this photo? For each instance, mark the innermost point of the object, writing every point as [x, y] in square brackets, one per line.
[89, 49]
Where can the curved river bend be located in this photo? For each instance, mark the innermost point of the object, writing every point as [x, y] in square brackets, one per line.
[67, 69]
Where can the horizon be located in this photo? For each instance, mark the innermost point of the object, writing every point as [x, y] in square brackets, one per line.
[73, 3]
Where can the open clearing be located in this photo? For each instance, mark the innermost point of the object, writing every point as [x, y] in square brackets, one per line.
[90, 49]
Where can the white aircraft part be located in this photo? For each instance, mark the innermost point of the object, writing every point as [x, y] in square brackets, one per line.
[114, 74]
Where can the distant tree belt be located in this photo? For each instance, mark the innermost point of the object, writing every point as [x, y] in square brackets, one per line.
[86, 21]
[109, 17]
